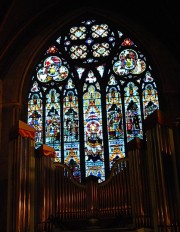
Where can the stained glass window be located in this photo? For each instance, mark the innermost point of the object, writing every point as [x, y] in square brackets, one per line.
[89, 96]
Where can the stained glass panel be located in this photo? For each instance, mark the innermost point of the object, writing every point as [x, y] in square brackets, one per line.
[71, 129]
[100, 49]
[99, 30]
[52, 121]
[132, 112]
[94, 153]
[35, 116]
[115, 123]
[78, 52]
[78, 33]
[52, 69]
[149, 95]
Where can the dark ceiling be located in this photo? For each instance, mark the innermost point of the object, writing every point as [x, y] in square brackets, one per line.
[161, 17]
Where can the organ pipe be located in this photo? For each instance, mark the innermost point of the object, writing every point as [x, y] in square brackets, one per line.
[162, 167]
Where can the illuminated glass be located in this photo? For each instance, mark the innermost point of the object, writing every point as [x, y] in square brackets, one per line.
[35, 117]
[114, 122]
[71, 129]
[52, 121]
[89, 96]
[93, 131]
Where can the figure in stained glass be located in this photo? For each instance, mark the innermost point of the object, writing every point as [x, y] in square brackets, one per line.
[150, 99]
[133, 126]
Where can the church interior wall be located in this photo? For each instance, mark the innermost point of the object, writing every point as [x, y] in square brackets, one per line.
[25, 48]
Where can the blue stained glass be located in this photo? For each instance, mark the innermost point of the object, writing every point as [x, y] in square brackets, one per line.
[89, 41]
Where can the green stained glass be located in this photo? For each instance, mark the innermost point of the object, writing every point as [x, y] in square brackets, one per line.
[101, 49]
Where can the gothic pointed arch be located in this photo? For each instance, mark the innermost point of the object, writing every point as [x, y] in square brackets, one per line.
[89, 95]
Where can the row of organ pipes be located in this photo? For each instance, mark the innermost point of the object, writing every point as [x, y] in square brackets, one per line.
[142, 187]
